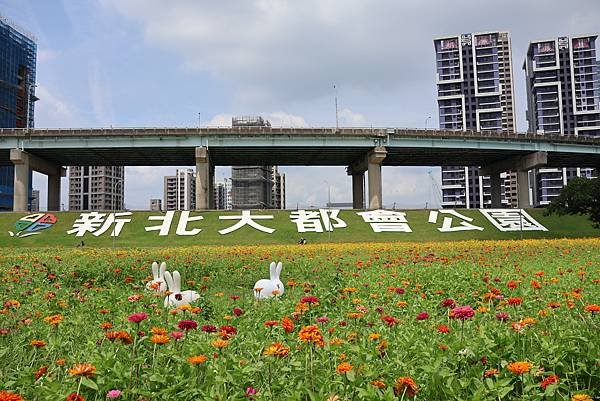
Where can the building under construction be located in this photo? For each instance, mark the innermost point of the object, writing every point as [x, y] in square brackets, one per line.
[256, 187]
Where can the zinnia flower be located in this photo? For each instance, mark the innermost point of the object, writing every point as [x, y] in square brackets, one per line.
[251, 392]
[197, 359]
[187, 325]
[75, 397]
[423, 316]
[502, 316]
[159, 339]
[442, 328]
[344, 367]
[113, 394]
[209, 328]
[38, 343]
[309, 300]
[448, 303]
[581, 397]
[463, 312]
[311, 334]
[552, 379]
[287, 324]
[405, 386]
[9, 396]
[518, 368]
[238, 311]
[137, 317]
[83, 369]
[277, 349]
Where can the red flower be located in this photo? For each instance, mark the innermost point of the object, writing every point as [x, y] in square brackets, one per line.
[399, 290]
[209, 328]
[137, 317]
[187, 325]
[463, 312]
[390, 320]
[552, 379]
[238, 311]
[228, 331]
[423, 316]
[443, 328]
[74, 397]
[310, 299]
[448, 303]
[515, 301]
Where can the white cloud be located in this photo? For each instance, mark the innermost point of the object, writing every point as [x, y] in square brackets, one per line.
[47, 55]
[53, 110]
[348, 117]
[99, 95]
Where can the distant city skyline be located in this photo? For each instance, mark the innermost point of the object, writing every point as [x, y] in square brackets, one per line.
[151, 63]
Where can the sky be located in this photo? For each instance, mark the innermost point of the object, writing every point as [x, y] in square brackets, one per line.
[141, 63]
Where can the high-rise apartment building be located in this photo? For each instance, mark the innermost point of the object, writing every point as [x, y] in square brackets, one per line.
[18, 51]
[96, 188]
[563, 98]
[35, 200]
[256, 187]
[180, 190]
[475, 92]
[222, 195]
[156, 205]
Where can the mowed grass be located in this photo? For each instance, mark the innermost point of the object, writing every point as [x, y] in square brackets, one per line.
[364, 300]
[133, 233]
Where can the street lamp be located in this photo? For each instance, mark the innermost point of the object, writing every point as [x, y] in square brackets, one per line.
[427, 119]
[117, 182]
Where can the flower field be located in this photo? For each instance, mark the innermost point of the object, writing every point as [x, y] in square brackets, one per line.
[439, 321]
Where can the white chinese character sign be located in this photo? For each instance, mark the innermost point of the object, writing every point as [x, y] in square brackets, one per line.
[317, 221]
[386, 221]
[98, 223]
[448, 225]
[512, 220]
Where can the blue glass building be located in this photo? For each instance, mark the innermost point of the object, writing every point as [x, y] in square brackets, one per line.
[17, 92]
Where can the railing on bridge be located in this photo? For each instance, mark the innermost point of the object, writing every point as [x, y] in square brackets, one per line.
[304, 131]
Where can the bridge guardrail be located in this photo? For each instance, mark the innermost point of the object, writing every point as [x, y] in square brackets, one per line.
[305, 131]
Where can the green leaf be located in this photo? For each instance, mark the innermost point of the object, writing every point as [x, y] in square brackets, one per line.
[89, 383]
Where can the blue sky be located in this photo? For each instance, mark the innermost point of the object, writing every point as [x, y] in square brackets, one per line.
[161, 63]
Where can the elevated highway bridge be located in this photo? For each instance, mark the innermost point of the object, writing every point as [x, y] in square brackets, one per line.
[359, 149]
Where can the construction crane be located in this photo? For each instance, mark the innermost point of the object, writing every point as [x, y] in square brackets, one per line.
[435, 190]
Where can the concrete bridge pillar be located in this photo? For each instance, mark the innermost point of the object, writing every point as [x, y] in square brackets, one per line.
[203, 175]
[496, 184]
[371, 163]
[211, 187]
[523, 189]
[358, 188]
[26, 162]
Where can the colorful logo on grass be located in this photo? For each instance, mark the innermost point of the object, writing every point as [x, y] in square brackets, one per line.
[33, 224]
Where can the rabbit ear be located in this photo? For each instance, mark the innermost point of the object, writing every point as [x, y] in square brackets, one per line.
[169, 281]
[278, 269]
[155, 270]
[273, 271]
[163, 269]
[176, 281]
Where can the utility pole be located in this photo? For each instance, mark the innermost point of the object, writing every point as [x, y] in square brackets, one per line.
[337, 122]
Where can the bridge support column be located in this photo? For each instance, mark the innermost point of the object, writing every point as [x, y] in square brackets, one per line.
[203, 175]
[523, 189]
[358, 188]
[371, 163]
[496, 184]
[24, 163]
[211, 187]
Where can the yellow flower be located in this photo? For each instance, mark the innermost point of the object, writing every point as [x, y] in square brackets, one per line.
[581, 397]
[518, 368]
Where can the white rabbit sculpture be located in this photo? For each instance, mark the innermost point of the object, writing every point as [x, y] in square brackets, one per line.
[178, 297]
[158, 282]
[270, 288]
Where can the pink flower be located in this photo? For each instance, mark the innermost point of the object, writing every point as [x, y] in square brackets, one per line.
[113, 393]
[309, 299]
[251, 392]
[322, 319]
[177, 335]
[423, 316]
[502, 316]
[187, 325]
[137, 317]
[463, 312]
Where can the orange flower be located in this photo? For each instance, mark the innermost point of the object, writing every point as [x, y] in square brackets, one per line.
[83, 369]
[344, 367]
[10, 396]
[518, 368]
[54, 319]
[197, 359]
[158, 331]
[592, 308]
[106, 325]
[271, 323]
[41, 372]
[38, 343]
[490, 372]
[277, 349]
[311, 334]
[159, 339]
[287, 324]
[378, 383]
[405, 385]
[220, 343]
